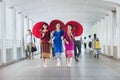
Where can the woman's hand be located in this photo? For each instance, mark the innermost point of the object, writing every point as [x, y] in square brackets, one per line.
[43, 34]
[67, 42]
[40, 42]
[50, 41]
[51, 35]
[33, 45]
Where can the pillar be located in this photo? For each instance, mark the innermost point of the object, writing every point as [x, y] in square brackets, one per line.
[118, 30]
[13, 26]
[3, 30]
[20, 36]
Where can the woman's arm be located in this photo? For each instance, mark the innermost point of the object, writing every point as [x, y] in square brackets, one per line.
[64, 38]
[66, 41]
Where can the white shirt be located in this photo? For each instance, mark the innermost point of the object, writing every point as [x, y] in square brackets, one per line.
[77, 38]
[28, 38]
[90, 40]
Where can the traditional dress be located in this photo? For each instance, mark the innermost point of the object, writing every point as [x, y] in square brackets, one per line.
[57, 43]
[69, 48]
[45, 45]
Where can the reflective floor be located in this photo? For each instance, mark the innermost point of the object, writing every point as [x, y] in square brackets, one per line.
[88, 68]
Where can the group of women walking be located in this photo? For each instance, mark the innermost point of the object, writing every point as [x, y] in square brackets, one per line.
[58, 35]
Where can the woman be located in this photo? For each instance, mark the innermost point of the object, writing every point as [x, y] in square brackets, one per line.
[45, 43]
[69, 45]
[90, 44]
[85, 43]
[57, 43]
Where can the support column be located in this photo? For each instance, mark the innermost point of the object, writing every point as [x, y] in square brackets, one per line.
[102, 36]
[118, 30]
[21, 32]
[3, 30]
[13, 21]
[111, 33]
[106, 35]
[26, 25]
[30, 24]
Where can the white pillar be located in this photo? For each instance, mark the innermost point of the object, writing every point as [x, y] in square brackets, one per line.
[111, 33]
[118, 30]
[31, 24]
[3, 30]
[20, 36]
[26, 25]
[102, 36]
[114, 30]
[106, 35]
[13, 21]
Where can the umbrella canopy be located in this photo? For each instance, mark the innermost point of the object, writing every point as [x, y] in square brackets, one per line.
[53, 24]
[36, 29]
[77, 27]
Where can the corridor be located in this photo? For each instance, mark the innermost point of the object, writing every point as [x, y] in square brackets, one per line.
[89, 68]
[22, 24]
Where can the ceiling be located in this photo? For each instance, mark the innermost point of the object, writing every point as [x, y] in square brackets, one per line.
[87, 12]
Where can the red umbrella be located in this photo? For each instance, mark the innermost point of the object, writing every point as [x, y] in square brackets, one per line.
[53, 24]
[77, 27]
[36, 29]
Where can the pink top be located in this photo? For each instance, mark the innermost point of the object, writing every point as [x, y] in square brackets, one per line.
[70, 39]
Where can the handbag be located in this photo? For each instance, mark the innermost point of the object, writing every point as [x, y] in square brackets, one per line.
[34, 48]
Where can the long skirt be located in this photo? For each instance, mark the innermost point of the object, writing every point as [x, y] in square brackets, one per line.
[45, 47]
[69, 53]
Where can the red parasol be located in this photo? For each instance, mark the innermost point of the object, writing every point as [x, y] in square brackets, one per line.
[77, 27]
[36, 29]
[53, 24]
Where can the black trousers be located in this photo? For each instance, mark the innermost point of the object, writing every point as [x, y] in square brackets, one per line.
[77, 48]
[85, 45]
[53, 54]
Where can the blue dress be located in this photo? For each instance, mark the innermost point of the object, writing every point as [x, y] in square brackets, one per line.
[57, 42]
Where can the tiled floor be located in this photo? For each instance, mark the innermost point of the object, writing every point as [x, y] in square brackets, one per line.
[88, 68]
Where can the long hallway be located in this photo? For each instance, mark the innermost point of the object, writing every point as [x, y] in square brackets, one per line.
[28, 24]
[88, 68]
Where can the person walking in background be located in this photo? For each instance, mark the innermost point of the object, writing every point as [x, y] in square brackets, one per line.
[69, 45]
[52, 45]
[28, 43]
[57, 43]
[90, 44]
[45, 43]
[77, 48]
[96, 45]
[85, 43]
[81, 40]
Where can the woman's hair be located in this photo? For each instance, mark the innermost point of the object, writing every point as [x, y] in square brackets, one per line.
[58, 23]
[89, 36]
[94, 35]
[45, 25]
[70, 25]
[29, 30]
[84, 37]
